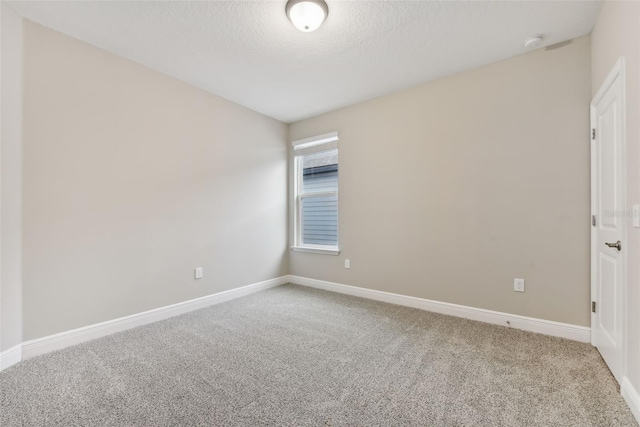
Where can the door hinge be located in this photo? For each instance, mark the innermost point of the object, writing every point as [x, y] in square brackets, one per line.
[593, 306]
[593, 220]
[593, 134]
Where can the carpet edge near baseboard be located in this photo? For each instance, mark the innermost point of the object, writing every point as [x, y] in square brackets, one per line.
[65, 339]
[531, 324]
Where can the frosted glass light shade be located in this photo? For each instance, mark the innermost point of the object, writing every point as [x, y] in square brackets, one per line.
[307, 15]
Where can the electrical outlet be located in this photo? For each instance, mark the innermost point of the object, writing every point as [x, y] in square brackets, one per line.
[518, 285]
[347, 263]
[199, 272]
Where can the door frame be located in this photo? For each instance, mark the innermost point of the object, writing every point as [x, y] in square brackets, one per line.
[617, 72]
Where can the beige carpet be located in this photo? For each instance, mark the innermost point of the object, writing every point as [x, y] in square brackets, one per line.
[292, 356]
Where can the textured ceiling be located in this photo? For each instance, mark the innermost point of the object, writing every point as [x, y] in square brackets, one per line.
[249, 53]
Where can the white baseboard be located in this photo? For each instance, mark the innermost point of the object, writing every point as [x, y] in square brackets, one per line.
[10, 357]
[547, 327]
[631, 396]
[76, 336]
[87, 333]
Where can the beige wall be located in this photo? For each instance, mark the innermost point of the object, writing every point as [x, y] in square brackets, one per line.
[131, 180]
[616, 34]
[11, 180]
[451, 189]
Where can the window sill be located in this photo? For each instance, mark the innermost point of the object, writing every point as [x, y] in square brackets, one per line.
[317, 250]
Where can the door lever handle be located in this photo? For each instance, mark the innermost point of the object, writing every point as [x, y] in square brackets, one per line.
[616, 245]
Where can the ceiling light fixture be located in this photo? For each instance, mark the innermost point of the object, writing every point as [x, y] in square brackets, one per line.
[307, 15]
[533, 42]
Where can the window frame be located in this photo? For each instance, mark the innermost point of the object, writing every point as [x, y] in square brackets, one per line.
[298, 195]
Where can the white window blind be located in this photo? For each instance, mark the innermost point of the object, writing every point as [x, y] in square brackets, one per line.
[315, 144]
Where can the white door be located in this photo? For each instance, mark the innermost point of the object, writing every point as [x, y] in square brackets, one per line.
[608, 221]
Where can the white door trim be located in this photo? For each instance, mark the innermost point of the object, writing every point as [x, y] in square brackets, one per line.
[617, 72]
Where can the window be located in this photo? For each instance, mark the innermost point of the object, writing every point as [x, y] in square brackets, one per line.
[316, 194]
